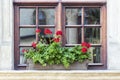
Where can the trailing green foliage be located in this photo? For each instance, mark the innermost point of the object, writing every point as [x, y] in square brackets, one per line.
[54, 53]
[51, 52]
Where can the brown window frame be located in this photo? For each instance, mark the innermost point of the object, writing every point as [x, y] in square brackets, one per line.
[60, 24]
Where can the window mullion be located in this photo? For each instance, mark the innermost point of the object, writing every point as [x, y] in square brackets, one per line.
[82, 30]
[59, 14]
[37, 24]
[59, 18]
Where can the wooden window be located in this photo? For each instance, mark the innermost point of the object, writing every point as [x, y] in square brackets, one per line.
[28, 19]
[86, 24]
[79, 22]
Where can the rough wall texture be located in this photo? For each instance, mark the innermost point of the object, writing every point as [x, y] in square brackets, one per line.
[113, 32]
[6, 35]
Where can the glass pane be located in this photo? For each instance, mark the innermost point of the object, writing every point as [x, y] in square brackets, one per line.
[73, 16]
[27, 35]
[46, 16]
[92, 16]
[95, 53]
[92, 35]
[22, 58]
[27, 16]
[73, 35]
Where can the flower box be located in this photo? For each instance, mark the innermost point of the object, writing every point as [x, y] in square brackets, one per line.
[74, 66]
[51, 55]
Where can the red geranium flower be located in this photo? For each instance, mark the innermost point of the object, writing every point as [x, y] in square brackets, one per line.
[56, 40]
[38, 30]
[84, 50]
[47, 31]
[59, 32]
[24, 50]
[86, 44]
[34, 45]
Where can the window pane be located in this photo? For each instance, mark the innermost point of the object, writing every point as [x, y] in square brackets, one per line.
[22, 58]
[73, 16]
[73, 35]
[26, 16]
[95, 53]
[92, 35]
[46, 16]
[27, 35]
[92, 16]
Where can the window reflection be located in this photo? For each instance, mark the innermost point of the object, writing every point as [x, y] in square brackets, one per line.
[42, 17]
[46, 16]
[92, 35]
[27, 36]
[73, 35]
[95, 53]
[92, 16]
[73, 16]
[26, 16]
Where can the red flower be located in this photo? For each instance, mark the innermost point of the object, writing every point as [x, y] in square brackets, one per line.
[84, 44]
[38, 30]
[84, 50]
[56, 40]
[88, 45]
[24, 50]
[47, 31]
[34, 45]
[59, 32]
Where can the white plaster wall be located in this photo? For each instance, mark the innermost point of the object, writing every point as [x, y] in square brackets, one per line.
[6, 35]
[0, 23]
[113, 34]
